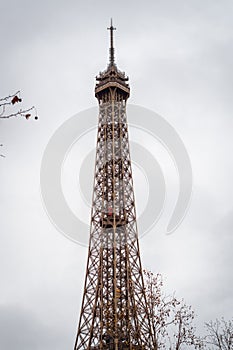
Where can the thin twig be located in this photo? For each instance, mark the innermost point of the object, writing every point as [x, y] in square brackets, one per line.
[17, 114]
[10, 96]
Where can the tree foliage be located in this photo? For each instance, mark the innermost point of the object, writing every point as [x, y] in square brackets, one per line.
[171, 319]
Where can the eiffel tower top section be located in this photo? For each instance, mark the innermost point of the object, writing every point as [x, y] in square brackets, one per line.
[112, 83]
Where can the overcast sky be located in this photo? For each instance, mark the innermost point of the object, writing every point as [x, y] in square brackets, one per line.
[178, 55]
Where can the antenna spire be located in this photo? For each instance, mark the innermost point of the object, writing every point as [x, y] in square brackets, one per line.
[111, 50]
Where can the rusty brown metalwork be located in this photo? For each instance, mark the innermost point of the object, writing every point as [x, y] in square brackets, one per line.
[114, 313]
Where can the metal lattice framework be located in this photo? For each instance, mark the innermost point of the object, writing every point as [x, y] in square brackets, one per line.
[114, 312]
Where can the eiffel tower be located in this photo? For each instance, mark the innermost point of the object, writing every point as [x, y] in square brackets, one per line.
[114, 313]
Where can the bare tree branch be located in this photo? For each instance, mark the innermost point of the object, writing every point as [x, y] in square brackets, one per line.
[172, 319]
[20, 113]
[219, 334]
[12, 100]
[9, 97]
[5, 113]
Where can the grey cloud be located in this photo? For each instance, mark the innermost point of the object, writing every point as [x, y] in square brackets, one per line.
[178, 55]
[21, 328]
